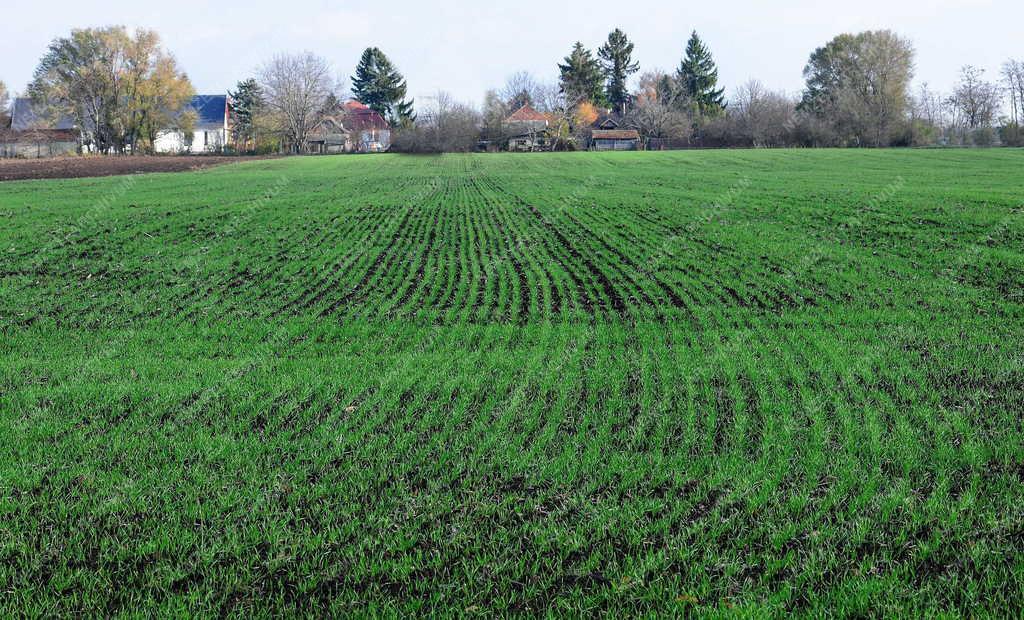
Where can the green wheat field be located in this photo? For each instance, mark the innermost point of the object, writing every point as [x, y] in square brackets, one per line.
[730, 383]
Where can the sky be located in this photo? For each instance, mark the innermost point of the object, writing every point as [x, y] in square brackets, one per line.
[465, 47]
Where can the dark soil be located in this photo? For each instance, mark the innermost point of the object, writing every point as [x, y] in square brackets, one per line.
[102, 166]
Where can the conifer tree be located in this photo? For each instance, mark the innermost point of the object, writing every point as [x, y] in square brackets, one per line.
[698, 77]
[379, 85]
[246, 102]
[617, 60]
[581, 78]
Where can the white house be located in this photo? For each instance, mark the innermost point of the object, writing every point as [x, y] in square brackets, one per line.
[211, 129]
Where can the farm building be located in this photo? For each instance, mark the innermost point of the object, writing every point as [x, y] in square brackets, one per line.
[527, 130]
[353, 128]
[328, 137]
[26, 115]
[37, 143]
[608, 134]
[32, 135]
[211, 131]
[615, 140]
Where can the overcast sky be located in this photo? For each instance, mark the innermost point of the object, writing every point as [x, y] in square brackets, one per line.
[465, 46]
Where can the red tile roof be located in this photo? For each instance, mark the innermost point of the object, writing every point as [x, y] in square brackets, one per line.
[526, 114]
[357, 116]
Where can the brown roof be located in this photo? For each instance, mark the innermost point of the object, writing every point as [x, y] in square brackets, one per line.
[360, 117]
[615, 134]
[526, 114]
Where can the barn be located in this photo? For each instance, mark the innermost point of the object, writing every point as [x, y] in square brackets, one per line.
[615, 140]
[32, 135]
[38, 143]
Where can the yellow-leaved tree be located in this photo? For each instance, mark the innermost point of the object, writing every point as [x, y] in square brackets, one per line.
[122, 90]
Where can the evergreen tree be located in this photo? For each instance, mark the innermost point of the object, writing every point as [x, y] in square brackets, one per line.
[617, 60]
[698, 77]
[246, 102]
[581, 79]
[379, 85]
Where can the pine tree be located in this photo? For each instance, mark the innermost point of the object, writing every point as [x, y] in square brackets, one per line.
[581, 79]
[379, 85]
[616, 59]
[246, 102]
[698, 76]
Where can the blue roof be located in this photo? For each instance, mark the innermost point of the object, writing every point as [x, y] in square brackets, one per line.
[210, 110]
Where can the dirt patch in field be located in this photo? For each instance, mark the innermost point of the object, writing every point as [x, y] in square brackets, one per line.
[78, 167]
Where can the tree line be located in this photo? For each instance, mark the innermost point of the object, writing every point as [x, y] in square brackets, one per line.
[123, 89]
[858, 93]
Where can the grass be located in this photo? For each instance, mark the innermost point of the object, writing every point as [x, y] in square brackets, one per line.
[721, 383]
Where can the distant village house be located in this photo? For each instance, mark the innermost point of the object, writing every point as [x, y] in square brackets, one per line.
[31, 136]
[210, 133]
[527, 130]
[606, 134]
[352, 128]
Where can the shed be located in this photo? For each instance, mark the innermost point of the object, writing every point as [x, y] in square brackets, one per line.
[615, 140]
[38, 143]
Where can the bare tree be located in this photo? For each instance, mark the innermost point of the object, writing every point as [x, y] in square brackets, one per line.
[296, 88]
[521, 89]
[5, 102]
[654, 118]
[929, 118]
[928, 107]
[761, 117]
[443, 125]
[975, 101]
[567, 115]
[1013, 75]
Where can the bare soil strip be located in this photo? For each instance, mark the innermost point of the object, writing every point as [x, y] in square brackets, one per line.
[103, 166]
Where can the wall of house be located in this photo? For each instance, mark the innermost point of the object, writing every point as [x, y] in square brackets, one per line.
[203, 141]
[372, 141]
[615, 145]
